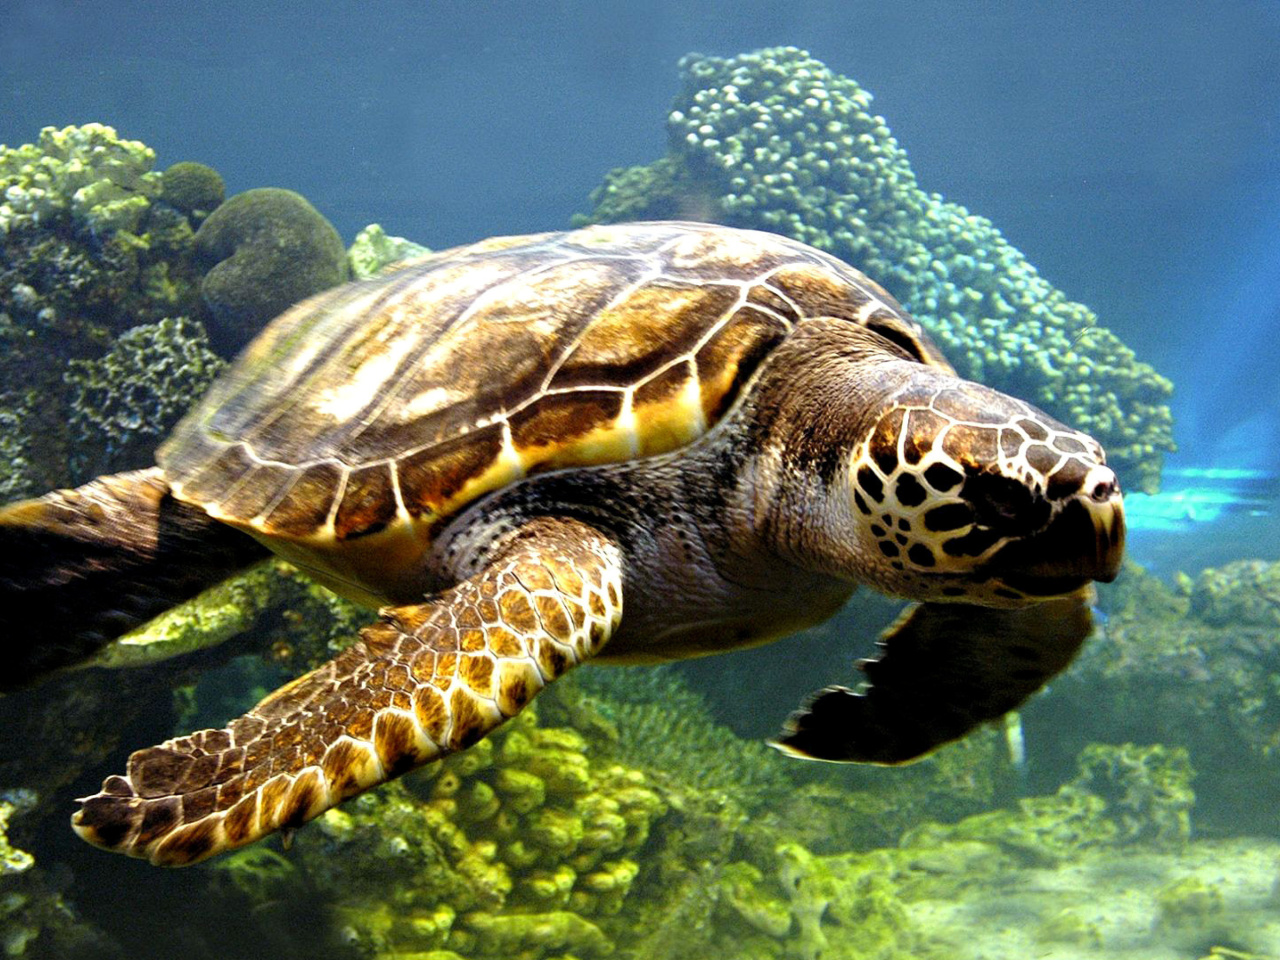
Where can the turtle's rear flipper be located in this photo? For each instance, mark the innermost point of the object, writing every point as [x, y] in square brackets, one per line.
[426, 680]
[946, 668]
[80, 567]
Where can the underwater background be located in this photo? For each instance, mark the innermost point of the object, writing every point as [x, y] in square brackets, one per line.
[1081, 201]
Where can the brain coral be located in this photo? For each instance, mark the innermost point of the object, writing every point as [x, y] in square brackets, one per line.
[269, 248]
[777, 141]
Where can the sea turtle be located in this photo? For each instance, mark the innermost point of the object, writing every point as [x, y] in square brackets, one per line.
[628, 443]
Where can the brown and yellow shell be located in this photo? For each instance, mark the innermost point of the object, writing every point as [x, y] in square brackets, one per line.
[400, 399]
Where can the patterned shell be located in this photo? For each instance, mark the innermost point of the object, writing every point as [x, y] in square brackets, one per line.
[400, 399]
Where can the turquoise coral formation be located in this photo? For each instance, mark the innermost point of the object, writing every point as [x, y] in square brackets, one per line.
[777, 141]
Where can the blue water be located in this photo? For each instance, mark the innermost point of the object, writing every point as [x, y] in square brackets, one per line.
[1131, 151]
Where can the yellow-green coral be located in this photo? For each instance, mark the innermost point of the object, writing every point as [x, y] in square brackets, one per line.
[523, 846]
[782, 143]
[374, 249]
[103, 182]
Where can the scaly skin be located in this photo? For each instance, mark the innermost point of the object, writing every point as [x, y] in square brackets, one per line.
[423, 682]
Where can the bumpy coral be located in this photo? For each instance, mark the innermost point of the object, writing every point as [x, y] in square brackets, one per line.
[104, 183]
[1244, 593]
[777, 141]
[124, 402]
[524, 846]
[266, 249]
[87, 250]
[374, 249]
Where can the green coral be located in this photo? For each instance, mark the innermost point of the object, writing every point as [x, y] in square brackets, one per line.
[86, 252]
[124, 402]
[780, 142]
[523, 846]
[1243, 593]
[1120, 795]
[374, 249]
[104, 183]
[193, 188]
[267, 249]
[650, 716]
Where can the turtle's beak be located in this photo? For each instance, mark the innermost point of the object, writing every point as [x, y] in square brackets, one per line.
[1083, 542]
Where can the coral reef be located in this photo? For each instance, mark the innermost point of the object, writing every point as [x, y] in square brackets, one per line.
[777, 141]
[35, 919]
[126, 401]
[88, 173]
[1121, 795]
[88, 249]
[524, 846]
[1244, 593]
[651, 717]
[374, 249]
[1193, 666]
[266, 249]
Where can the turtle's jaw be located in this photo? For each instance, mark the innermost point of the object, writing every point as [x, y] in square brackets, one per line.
[1083, 542]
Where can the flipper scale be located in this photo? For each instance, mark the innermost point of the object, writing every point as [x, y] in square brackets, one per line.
[409, 691]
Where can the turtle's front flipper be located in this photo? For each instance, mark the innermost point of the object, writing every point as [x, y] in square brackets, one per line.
[946, 668]
[80, 567]
[424, 681]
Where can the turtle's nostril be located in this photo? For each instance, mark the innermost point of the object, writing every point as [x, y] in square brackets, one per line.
[1102, 484]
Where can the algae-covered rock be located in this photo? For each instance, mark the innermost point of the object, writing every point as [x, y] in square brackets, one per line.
[193, 188]
[1147, 790]
[268, 249]
[373, 250]
[1120, 795]
[1245, 593]
[777, 141]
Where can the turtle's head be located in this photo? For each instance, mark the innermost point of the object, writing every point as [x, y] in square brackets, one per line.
[961, 492]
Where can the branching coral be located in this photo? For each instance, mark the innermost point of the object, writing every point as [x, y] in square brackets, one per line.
[777, 141]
